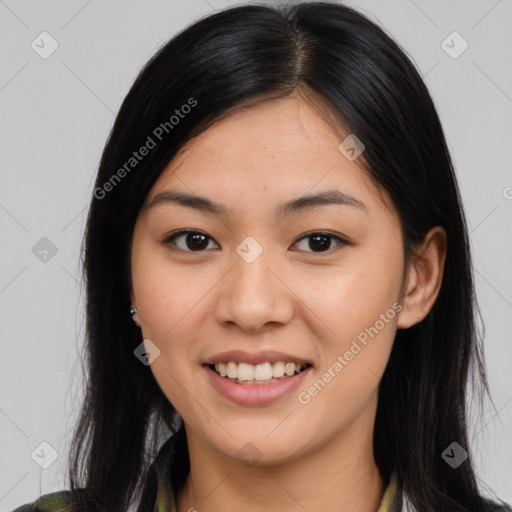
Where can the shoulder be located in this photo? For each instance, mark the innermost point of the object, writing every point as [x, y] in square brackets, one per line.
[59, 501]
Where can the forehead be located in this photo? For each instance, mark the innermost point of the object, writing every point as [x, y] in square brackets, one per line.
[266, 154]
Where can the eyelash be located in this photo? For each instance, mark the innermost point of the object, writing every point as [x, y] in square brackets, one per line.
[168, 240]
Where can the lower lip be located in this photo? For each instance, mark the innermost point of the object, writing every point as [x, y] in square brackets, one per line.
[255, 394]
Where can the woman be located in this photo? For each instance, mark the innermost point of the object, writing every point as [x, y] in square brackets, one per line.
[279, 281]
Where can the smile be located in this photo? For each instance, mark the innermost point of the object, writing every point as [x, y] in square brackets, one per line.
[256, 392]
[264, 373]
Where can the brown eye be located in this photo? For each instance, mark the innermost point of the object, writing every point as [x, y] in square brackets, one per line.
[321, 241]
[193, 241]
[197, 241]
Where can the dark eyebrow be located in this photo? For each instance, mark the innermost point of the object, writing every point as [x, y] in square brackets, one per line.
[295, 205]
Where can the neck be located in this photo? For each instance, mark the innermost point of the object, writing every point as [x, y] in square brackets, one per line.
[343, 469]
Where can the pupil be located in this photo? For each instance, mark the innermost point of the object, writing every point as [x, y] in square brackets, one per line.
[324, 242]
[197, 244]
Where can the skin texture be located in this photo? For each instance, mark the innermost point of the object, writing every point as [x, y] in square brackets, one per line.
[194, 304]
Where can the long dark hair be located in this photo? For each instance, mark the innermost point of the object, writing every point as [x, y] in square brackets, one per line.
[348, 66]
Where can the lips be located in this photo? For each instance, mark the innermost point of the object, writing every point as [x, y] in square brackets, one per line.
[276, 375]
[256, 395]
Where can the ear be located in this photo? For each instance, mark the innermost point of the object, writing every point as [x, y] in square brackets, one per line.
[135, 316]
[424, 278]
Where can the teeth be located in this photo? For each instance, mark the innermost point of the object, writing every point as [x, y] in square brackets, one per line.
[289, 368]
[245, 371]
[231, 370]
[263, 372]
[278, 369]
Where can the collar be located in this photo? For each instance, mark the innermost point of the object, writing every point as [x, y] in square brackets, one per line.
[159, 494]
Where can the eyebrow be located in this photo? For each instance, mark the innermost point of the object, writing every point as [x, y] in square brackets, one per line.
[298, 204]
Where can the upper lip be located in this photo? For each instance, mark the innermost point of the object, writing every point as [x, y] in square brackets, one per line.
[240, 356]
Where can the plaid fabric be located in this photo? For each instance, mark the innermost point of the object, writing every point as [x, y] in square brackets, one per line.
[157, 497]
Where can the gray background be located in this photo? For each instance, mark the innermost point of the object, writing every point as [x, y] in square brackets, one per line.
[55, 116]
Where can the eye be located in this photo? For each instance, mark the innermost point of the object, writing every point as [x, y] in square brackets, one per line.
[196, 241]
[319, 241]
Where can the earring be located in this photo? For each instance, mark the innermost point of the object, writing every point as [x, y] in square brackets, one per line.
[135, 319]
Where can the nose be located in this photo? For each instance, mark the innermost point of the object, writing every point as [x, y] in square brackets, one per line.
[254, 295]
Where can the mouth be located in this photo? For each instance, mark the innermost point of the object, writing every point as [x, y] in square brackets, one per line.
[255, 385]
[256, 379]
[253, 375]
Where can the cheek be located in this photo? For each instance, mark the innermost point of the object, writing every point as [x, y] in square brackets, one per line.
[358, 311]
[166, 294]
[357, 306]
[351, 297]
[168, 299]
[166, 307]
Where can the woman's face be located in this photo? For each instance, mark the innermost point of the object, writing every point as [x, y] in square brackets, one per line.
[255, 278]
